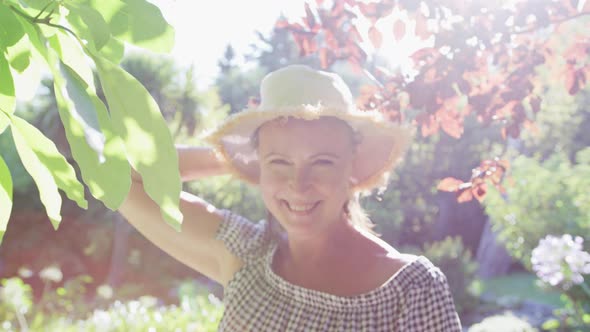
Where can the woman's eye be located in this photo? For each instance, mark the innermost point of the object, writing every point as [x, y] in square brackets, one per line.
[323, 162]
[279, 162]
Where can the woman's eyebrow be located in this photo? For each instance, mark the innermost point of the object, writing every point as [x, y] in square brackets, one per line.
[320, 154]
[271, 154]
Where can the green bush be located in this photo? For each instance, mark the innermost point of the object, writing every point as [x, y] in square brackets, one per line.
[226, 192]
[549, 197]
[196, 311]
[142, 315]
[16, 300]
[386, 213]
[458, 266]
[504, 323]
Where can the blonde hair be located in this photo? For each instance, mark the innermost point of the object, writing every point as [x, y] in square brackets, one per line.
[357, 216]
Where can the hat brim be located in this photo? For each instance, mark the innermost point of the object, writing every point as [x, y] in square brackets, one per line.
[382, 143]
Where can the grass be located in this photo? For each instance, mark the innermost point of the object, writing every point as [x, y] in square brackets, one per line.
[521, 286]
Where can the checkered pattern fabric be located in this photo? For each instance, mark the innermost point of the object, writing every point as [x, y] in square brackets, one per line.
[416, 299]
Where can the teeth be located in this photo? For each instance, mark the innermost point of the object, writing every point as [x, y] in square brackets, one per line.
[301, 208]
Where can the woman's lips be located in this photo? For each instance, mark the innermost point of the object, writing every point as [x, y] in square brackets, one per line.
[300, 209]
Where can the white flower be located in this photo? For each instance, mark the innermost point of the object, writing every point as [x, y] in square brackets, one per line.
[104, 291]
[51, 273]
[561, 260]
[16, 294]
[25, 272]
[102, 320]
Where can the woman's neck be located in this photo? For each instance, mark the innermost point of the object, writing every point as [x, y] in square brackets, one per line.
[311, 252]
[347, 263]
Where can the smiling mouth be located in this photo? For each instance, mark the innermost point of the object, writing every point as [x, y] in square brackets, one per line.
[300, 209]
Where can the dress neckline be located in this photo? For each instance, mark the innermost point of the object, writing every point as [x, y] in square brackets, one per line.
[312, 296]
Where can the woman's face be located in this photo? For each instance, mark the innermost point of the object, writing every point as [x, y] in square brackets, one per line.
[305, 171]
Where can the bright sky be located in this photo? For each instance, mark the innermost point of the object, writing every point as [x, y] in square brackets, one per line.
[204, 28]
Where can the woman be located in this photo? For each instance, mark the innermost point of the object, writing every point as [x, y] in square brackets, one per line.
[314, 264]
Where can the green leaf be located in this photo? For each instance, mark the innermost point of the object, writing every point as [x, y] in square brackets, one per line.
[4, 122]
[21, 61]
[5, 196]
[102, 159]
[150, 149]
[26, 68]
[113, 50]
[70, 52]
[35, 37]
[17, 3]
[19, 54]
[7, 96]
[27, 82]
[45, 182]
[82, 109]
[112, 182]
[11, 31]
[88, 24]
[550, 324]
[138, 22]
[37, 4]
[47, 153]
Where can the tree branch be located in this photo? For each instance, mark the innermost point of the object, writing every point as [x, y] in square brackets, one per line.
[43, 10]
[46, 21]
[557, 22]
[8, 115]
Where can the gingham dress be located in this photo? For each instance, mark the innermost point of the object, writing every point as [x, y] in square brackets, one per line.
[415, 299]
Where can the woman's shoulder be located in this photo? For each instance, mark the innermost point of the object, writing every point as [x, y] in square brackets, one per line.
[387, 266]
[403, 272]
[415, 271]
[394, 262]
[246, 239]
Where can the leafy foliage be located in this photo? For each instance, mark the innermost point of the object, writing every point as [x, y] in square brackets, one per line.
[277, 50]
[5, 195]
[33, 244]
[64, 310]
[68, 38]
[562, 124]
[16, 298]
[19, 176]
[236, 87]
[456, 263]
[239, 87]
[473, 58]
[137, 120]
[225, 192]
[408, 211]
[548, 197]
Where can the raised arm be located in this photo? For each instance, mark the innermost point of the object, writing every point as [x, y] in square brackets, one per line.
[195, 245]
[198, 162]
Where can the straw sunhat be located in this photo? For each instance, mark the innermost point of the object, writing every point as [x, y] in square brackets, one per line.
[300, 92]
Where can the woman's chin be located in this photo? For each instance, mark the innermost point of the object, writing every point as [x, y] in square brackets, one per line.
[300, 219]
[306, 223]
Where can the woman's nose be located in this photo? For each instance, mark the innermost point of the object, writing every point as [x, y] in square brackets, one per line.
[300, 180]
